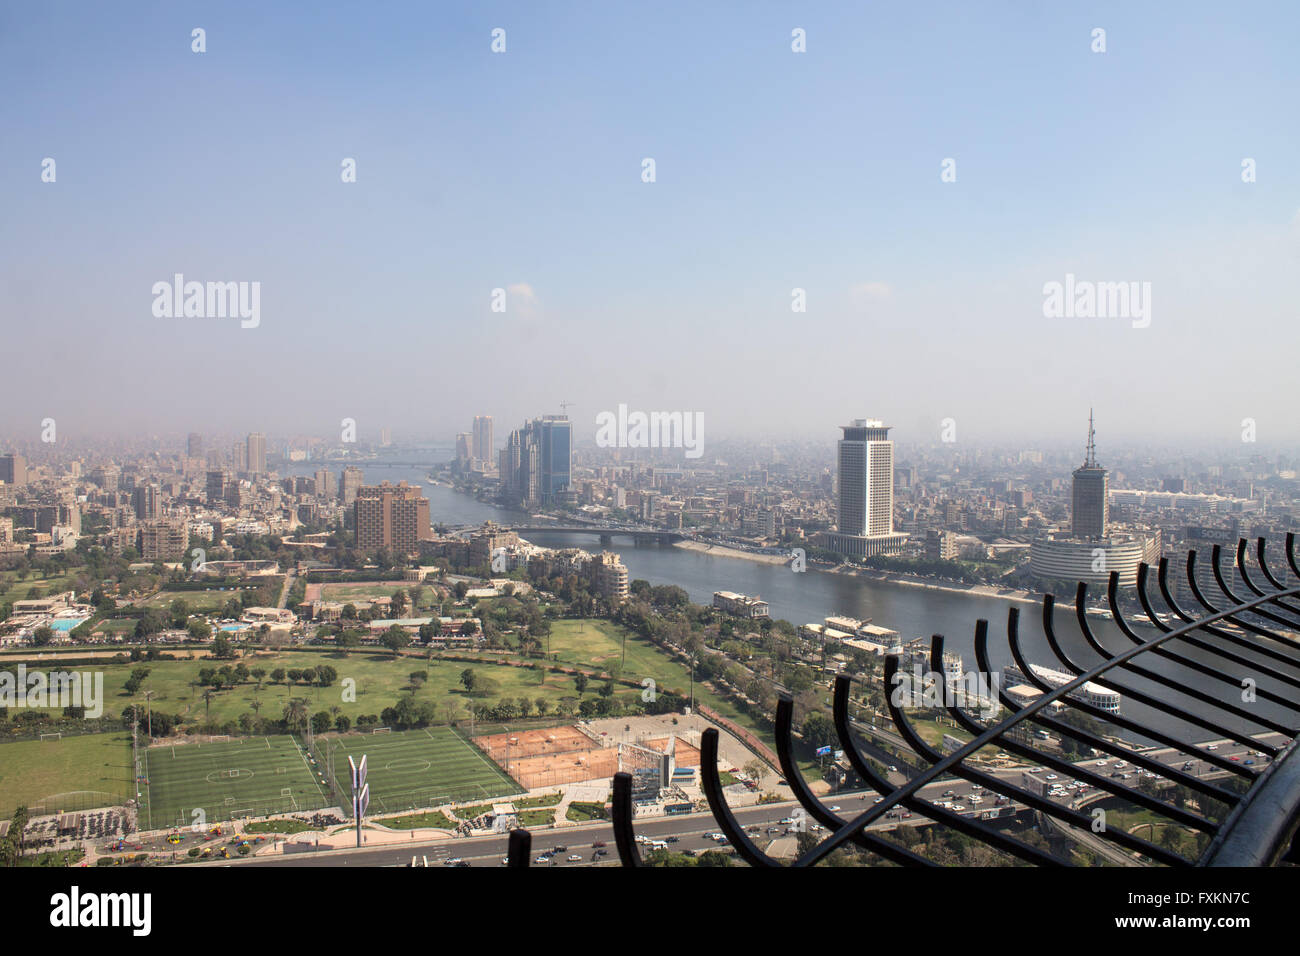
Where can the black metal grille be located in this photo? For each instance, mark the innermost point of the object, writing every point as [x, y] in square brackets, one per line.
[1257, 806]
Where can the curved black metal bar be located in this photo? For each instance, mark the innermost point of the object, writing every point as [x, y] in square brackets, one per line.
[991, 782]
[1290, 553]
[1235, 639]
[936, 813]
[1216, 557]
[1028, 712]
[1231, 617]
[718, 804]
[1190, 663]
[794, 779]
[1077, 771]
[1179, 712]
[519, 849]
[1261, 829]
[621, 810]
[1102, 744]
[1243, 567]
[1260, 547]
[1189, 639]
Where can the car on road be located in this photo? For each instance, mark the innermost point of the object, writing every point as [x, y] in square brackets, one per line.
[597, 844]
[834, 808]
[575, 858]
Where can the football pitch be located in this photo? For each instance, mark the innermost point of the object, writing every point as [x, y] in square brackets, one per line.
[252, 776]
[417, 768]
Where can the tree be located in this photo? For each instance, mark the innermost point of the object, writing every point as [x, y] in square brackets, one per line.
[395, 638]
[818, 731]
[277, 675]
[199, 629]
[468, 678]
[580, 681]
[295, 713]
[42, 635]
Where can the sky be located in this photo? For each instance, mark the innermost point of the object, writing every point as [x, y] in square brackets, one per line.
[774, 171]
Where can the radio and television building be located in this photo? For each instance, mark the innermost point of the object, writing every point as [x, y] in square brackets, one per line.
[1089, 552]
[865, 499]
[1090, 507]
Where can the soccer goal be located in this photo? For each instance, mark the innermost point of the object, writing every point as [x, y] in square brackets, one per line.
[382, 730]
[54, 737]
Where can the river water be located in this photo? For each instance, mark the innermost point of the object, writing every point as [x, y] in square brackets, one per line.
[810, 596]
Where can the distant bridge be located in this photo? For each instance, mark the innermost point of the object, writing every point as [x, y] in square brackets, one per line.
[638, 535]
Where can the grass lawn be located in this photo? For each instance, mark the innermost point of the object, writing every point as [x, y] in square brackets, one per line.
[418, 768]
[545, 800]
[536, 818]
[74, 773]
[288, 825]
[599, 644]
[365, 590]
[581, 812]
[200, 602]
[12, 589]
[418, 821]
[246, 777]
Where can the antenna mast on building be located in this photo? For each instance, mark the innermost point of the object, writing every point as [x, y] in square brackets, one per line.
[1091, 461]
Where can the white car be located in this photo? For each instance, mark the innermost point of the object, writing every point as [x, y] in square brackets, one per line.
[834, 808]
[575, 858]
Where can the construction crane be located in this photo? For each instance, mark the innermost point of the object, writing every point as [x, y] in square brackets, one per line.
[564, 407]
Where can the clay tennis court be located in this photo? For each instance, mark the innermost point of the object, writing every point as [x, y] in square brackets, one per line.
[528, 743]
[552, 756]
[685, 755]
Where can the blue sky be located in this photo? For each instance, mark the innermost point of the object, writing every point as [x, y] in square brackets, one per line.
[775, 170]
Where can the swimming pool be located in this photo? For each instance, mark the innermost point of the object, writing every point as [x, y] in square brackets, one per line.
[66, 624]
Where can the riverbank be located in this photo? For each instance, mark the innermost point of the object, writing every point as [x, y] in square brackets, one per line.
[725, 552]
